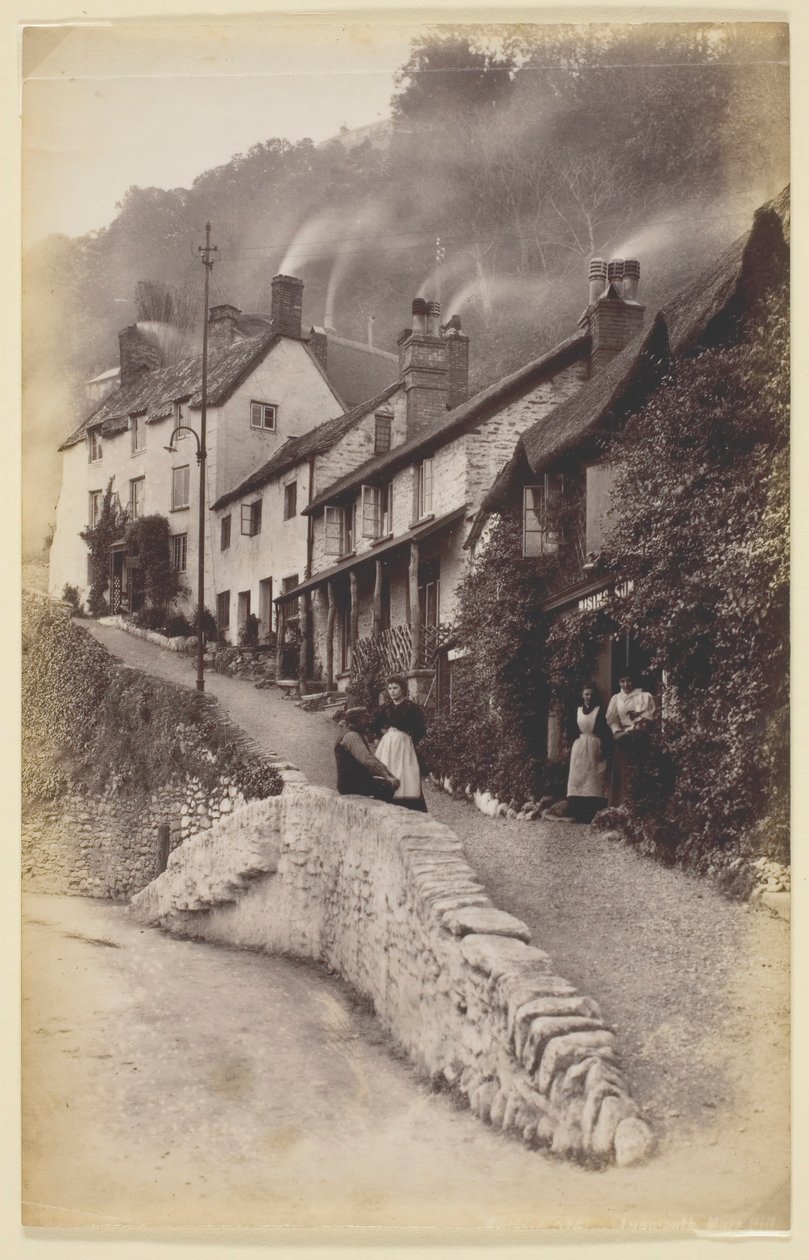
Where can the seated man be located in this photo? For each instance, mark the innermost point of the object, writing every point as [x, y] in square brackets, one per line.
[359, 773]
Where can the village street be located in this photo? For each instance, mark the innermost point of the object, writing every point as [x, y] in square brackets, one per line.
[695, 985]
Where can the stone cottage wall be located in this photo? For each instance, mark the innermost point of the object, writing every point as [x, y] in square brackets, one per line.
[386, 898]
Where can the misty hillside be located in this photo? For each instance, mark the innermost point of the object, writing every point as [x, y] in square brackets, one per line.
[524, 149]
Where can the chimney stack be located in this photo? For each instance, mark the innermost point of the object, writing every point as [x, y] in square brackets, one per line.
[137, 355]
[222, 327]
[614, 315]
[287, 305]
[457, 362]
[631, 279]
[598, 279]
[423, 366]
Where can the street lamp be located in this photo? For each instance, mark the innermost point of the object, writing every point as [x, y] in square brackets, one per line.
[201, 454]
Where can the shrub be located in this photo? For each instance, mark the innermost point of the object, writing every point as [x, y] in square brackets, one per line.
[148, 538]
[208, 623]
[248, 634]
[99, 539]
[70, 595]
[177, 626]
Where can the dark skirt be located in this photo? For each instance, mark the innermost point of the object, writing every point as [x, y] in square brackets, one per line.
[629, 760]
[411, 802]
[584, 808]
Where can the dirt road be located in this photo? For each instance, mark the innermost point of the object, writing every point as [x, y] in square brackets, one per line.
[697, 987]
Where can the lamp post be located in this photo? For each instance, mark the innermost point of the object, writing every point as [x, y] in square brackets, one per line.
[171, 448]
[207, 251]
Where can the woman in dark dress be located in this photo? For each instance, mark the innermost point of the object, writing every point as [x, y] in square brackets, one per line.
[402, 722]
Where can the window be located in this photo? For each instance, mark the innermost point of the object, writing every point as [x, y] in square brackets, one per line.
[290, 500]
[96, 504]
[375, 515]
[179, 552]
[263, 416]
[180, 482]
[251, 518]
[137, 497]
[370, 511]
[339, 534]
[138, 433]
[383, 423]
[541, 505]
[289, 583]
[424, 489]
[224, 536]
[178, 416]
[223, 611]
[95, 445]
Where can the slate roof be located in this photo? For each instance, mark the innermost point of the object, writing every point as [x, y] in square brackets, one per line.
[358, 371]
[311, 443]
[154, 393]
[484, 404]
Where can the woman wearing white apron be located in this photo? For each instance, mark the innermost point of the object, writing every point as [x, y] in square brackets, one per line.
[587, 778]
[402, 721]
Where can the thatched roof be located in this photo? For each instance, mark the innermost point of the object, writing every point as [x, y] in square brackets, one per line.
[312, 443]
[703, 314]
[486, 403]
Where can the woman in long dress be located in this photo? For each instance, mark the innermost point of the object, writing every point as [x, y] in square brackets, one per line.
[402, 722]
[630, 714]
[587, 777]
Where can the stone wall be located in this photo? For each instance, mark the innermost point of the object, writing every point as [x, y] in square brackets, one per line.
[109, 845]
[386, 898]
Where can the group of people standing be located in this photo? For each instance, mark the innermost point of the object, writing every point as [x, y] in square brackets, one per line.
[609, 748]
[393, 772]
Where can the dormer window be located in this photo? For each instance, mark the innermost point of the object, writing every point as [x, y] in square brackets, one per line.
[383, 426]
[263, 416]
[541, 507]
[95, 445]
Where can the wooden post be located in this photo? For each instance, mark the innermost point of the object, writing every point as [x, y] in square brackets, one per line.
[378, 599]
[355, 612]
[280, 626]
[330, 637]
[415, 612]
[303, 616]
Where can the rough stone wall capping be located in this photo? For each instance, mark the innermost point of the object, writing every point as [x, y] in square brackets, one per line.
[387, 899]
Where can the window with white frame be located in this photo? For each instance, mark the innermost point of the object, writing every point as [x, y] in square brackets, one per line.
[338, 531]
[180, 487]
[96, 504]
[179, 552]
[383, 426]
[375, 515]
[94, 440]
[424, 489]
[263, 416]
[224, 534]
[251, 518]
[137, 497]
[137, 429]
[290, 500]
[541, 506]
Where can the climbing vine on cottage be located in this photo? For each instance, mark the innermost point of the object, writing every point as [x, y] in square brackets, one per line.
[100, 538]
[494, 736]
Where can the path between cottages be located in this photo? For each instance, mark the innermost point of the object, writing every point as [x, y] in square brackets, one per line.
[696, 985]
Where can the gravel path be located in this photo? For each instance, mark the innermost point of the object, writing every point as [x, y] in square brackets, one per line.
[697, 986]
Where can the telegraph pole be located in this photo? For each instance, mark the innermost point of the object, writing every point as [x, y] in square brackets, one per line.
[207, 251]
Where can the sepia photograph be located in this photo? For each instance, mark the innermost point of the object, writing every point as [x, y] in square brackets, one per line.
[406, 624]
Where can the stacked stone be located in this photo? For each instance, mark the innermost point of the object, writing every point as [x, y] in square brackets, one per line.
[387, 898]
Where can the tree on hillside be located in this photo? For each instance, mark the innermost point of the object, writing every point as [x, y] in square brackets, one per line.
[449, 71]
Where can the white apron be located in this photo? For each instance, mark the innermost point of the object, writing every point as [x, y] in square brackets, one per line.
[587, 762]
[395, 750]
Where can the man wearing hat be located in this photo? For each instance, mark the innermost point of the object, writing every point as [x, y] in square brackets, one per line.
[359, 773]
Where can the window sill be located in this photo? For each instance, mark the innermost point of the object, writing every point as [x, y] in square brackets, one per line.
[422, 520]
[382, 538]
[183, 508]
[347, 555]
